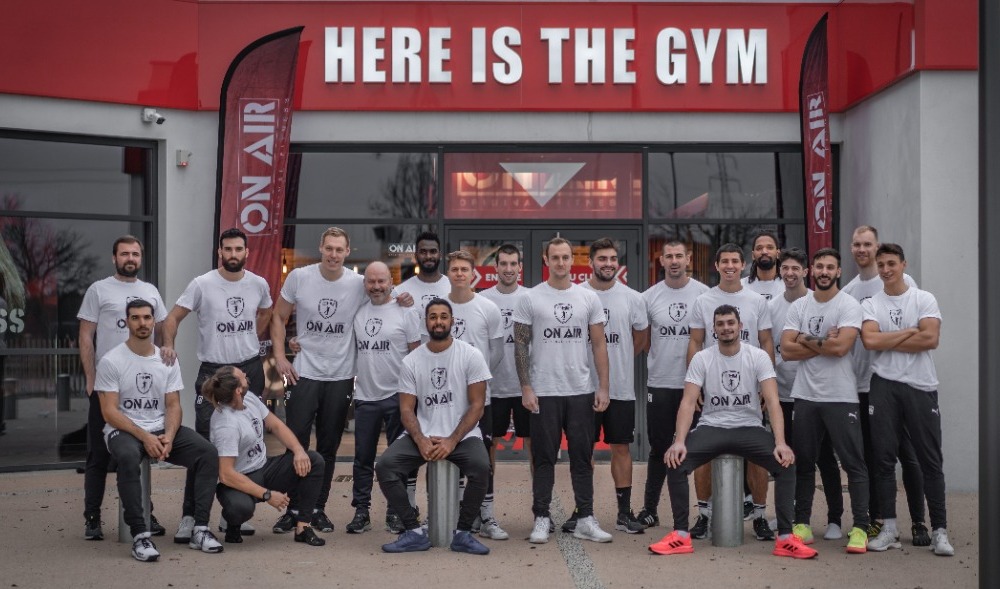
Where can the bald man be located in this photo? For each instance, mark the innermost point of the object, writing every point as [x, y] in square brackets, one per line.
[384, 332]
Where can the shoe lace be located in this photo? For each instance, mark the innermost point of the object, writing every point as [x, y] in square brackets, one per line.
[541, 524]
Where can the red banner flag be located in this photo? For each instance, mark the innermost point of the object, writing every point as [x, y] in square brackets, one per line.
[814, 94]
[255, 120]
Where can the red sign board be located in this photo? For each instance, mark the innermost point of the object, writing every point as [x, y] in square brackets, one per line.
[484, 277]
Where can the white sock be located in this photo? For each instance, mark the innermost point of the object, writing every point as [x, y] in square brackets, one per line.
[411, 491]
[486, 509]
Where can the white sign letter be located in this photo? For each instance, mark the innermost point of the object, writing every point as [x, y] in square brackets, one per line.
[339, 54]
[437, 55]
[478, 55]
[371, 54]
[589, 57]
[405, 55]
[509, 71]
[671, 68]
[623, 56]
[705, 49]
[746, 57]
[555, 37]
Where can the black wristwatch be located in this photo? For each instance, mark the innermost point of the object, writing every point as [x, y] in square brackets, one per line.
[267, 496]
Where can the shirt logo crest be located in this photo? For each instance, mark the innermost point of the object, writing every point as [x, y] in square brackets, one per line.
[458, 328]
[439, 376]
[815, 326]
[730, 380]
[235, 306]
[677, 311]
[508, 317]
[326, 308]
[373, 326]
[563, 312]
[257, 429]
[144, 382]
[896, 316]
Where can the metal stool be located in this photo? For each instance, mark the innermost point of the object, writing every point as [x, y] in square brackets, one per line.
[727, 501]
[442, 501]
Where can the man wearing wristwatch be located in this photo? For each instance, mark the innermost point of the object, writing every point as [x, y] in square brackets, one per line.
[246, 474]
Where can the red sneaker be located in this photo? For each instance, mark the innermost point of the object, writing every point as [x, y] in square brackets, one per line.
[673, 543]
[792, 546]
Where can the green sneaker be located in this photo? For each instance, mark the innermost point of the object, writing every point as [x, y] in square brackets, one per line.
[804, 532]
[857, 541]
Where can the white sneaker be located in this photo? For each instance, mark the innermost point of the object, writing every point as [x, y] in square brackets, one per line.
[144, 550]
[185, 530]
[940, 544]
[491, 529]
[587, 528]
[885, 540]
[540, 533]
[203, 539]
[833, 532]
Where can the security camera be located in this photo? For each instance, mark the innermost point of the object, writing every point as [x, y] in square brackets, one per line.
[150, 115]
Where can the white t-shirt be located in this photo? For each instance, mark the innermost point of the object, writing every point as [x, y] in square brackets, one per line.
[383, 334]
[670, 311]
[141, 382]
[624, 310]
[825, 379]
[751, 305]
[785, 369]
[862, 357]
[324, 320]
[422, 292]
[560, 323]
[241, 433]
[440, 381]
[730, 384]
[769, 289]
[227, 315]
[104, 304]
[475, 323]
[895, 314]
[505, 382]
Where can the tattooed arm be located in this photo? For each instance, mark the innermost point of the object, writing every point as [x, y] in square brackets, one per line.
[522, 342]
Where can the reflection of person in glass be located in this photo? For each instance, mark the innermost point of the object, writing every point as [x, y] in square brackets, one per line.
[102, 314]
[11, 311]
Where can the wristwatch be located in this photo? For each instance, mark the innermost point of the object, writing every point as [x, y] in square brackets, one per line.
[267, 496]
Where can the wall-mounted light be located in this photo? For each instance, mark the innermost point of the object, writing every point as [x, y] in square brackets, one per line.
[151, 115]
[183, 158]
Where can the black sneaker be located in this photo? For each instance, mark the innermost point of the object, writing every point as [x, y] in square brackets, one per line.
[874, 528]
[747, 510]
[648, 518]
[92, 527]
[321, 523]
[155, 528]
[233, 535]
[699, 531]
[361, 523]
[394, 524]
[285, 523]
[920, 535]
[762, 529]
[628, 523]
[569, 526]
[308, 536]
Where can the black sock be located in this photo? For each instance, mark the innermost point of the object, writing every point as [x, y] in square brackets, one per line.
[624, 495]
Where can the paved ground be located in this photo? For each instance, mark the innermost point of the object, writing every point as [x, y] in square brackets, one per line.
[41, 545]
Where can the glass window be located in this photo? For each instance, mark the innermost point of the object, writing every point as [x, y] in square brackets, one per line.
[704, 239]
[53, 244]
[543, 186]
[53, 176]
[362, 185]
[720, 185]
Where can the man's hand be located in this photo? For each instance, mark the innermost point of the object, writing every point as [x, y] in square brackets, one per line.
[443, 447]
[404, 299]
[601, 400]
[784, 455]
[675, 455]
[168, 445]
[278, 500]
[529, 400]
[301, 462]
[168, 355]
[294, 346]
[153, 446]
[426, 448]
[286, 370]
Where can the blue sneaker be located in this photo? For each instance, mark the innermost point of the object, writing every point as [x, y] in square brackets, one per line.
[409, 541]
[466, 542]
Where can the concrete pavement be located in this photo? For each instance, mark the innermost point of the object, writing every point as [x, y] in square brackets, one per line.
[41, 545]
